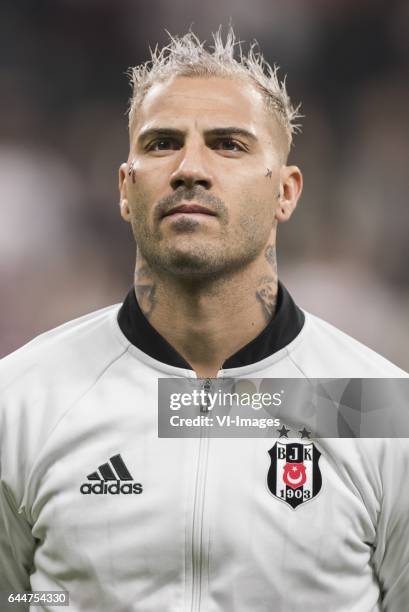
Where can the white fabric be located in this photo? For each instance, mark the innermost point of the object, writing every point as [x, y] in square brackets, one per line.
[206, 533]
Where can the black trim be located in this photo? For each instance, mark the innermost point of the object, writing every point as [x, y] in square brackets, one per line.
[286, 324]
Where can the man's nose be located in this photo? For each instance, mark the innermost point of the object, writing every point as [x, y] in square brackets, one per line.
[192, 170]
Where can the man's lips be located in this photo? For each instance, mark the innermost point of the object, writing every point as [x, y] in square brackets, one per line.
[189, 209]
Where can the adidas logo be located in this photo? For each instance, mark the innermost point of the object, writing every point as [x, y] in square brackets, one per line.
[114, 472]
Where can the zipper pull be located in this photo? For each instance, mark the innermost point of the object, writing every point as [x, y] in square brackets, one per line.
[207, 385]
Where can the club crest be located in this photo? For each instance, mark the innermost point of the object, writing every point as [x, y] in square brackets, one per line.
[294, 475]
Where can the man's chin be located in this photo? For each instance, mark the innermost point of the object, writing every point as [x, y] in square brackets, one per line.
[197, 262]
[195, 258]
[190, 264]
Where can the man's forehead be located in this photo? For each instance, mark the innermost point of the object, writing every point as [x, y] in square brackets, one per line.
[218, 98]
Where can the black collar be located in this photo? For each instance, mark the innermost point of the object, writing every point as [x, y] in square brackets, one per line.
[282, 329]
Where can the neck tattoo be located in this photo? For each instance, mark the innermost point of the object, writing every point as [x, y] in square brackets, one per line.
[145, 289]
[265, 292]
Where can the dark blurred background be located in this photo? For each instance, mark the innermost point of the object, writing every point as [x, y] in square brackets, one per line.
[64, 250]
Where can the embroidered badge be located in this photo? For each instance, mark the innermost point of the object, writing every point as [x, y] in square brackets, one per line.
[294, 476]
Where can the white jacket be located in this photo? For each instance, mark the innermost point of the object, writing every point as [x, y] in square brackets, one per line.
[195, 526]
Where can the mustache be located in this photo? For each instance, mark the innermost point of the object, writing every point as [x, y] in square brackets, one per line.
[198, 194]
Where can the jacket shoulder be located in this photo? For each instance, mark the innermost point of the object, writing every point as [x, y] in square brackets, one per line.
[62, 347]
[328, 352]
[40, 382]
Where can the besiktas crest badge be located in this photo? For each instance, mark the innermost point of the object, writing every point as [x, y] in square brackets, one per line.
[294, 475]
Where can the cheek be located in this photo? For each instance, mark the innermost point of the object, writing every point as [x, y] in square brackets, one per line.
[140, 185]
[258, 201]
[136, 175]
[146, 182]
[151, 169]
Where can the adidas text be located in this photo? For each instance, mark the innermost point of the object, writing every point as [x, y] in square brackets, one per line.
[103, 488]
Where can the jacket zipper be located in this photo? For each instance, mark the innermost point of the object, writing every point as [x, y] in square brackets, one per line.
[198, 508]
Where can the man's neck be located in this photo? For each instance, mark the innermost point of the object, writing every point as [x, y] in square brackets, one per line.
[208, 321]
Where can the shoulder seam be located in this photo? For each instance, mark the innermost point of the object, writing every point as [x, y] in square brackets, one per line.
[290, 357]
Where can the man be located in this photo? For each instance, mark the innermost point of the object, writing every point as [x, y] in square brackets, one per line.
[194, 524]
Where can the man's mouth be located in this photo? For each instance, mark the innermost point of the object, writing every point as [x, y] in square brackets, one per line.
[189, 209]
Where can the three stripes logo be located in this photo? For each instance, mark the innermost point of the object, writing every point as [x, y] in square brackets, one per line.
[111, 478]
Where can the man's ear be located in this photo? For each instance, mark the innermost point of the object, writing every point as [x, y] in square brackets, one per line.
[291, 183]
[123, 192]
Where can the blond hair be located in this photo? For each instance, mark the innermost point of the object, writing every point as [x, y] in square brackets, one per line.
[187, 56]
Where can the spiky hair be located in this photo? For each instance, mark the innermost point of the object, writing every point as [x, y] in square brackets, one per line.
[187, 56]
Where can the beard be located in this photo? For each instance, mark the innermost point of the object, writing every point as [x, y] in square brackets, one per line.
[191, 252]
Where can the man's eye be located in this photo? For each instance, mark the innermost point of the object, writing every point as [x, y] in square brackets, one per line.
[228, 144]
[163, 144]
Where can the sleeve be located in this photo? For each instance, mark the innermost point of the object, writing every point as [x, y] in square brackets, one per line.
[16, 545]
[392, 550]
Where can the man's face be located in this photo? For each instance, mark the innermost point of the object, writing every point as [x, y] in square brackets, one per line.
[203, 176]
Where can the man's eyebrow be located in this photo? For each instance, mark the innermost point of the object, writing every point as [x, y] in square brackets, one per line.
[160, 133]
[231, 131]
[175, 133]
